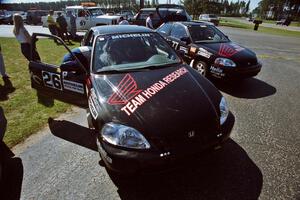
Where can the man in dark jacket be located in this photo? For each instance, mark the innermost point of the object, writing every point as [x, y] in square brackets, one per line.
[63, 27]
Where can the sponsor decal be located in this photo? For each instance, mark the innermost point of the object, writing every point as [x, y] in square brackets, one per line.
[217, 72]
[128, 94]
[126, 89]
[93, 104]
[183, 49]
[227, 50]
[73, 86]
[82, 23]
[204, 53]
[132, 35]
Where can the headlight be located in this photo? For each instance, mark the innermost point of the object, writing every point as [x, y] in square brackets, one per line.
[225, 62]
[124, 136]
[223, 110]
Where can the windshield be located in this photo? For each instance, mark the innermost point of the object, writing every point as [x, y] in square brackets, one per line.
[96, 11]
[167, 13]
[206, 33]
[212, 16]
[132, 51]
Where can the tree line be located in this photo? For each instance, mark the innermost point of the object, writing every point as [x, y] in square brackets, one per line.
[271, 9]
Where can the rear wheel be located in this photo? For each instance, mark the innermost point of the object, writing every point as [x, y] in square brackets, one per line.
[201, 68]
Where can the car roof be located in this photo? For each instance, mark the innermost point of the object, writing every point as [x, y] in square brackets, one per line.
[192, 23]
[118, 29]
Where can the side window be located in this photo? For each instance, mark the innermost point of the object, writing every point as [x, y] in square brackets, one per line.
[144, 15]
[82, 13]
[89, 39]
[178, 31]
[165, 28]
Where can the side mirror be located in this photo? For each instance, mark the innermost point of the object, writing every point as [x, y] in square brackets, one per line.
[69, 66]
[186, 40]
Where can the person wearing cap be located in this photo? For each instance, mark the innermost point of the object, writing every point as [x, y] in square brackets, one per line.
[149, 23]
[123, 21]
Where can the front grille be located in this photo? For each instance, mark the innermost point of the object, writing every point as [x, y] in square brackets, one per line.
[247, 62]
[181, 143]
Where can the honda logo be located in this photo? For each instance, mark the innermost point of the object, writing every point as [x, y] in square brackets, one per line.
[191, 134]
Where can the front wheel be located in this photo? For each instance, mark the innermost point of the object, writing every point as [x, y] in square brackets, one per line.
[201, 68]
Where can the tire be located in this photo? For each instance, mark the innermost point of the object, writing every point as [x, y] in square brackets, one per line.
[201, 68]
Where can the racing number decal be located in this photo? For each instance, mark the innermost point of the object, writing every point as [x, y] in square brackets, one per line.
[175, 45]
[52, 80]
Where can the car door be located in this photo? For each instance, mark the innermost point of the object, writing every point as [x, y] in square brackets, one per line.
[83, 19]
[53, 80]
[180, 38]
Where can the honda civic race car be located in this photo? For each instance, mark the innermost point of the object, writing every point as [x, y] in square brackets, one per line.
[146, 106]
[209, 51]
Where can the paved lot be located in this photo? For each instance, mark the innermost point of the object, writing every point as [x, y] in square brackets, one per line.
[260, 161]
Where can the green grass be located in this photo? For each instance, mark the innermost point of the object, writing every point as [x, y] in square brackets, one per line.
[24, 115]
[274, 31]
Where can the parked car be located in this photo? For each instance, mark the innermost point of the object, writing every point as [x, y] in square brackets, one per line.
[6, 17]
[210, 51]
[35, 16]
[210, 18]
[162, 13]
[284, 22]
[126, 14]
[146, 106]
[87, 17]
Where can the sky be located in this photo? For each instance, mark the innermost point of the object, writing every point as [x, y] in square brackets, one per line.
[253, 3]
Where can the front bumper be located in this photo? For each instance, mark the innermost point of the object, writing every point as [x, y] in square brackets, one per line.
[236, 72]
[148, 161]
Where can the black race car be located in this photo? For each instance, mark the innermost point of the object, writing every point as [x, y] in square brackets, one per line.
[146, 106]
[209, 51]
[162, 13]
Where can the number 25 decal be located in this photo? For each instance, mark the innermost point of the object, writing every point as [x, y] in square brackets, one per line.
[52, 80]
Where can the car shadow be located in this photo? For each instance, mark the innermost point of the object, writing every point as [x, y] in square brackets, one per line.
[227, 173]
[11, 167]
[6, 89]
[74, 133]
[250, 88]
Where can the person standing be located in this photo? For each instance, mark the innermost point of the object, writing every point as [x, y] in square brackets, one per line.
[123, 21]
[51, 23]
[24, 38]
[63, 31]
[149, 23]
[72, 24]
[2, 66]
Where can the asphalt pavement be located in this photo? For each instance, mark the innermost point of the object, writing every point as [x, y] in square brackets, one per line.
[260, 161]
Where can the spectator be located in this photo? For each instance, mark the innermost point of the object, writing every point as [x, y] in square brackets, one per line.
[72, 24]
[2, 66]
[62, 30]
[24, 39]
[149, 21]
[52, 25]
[123, 21]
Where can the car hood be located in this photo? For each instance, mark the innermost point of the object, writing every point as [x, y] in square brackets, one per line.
[231, 50]
[158, 102]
